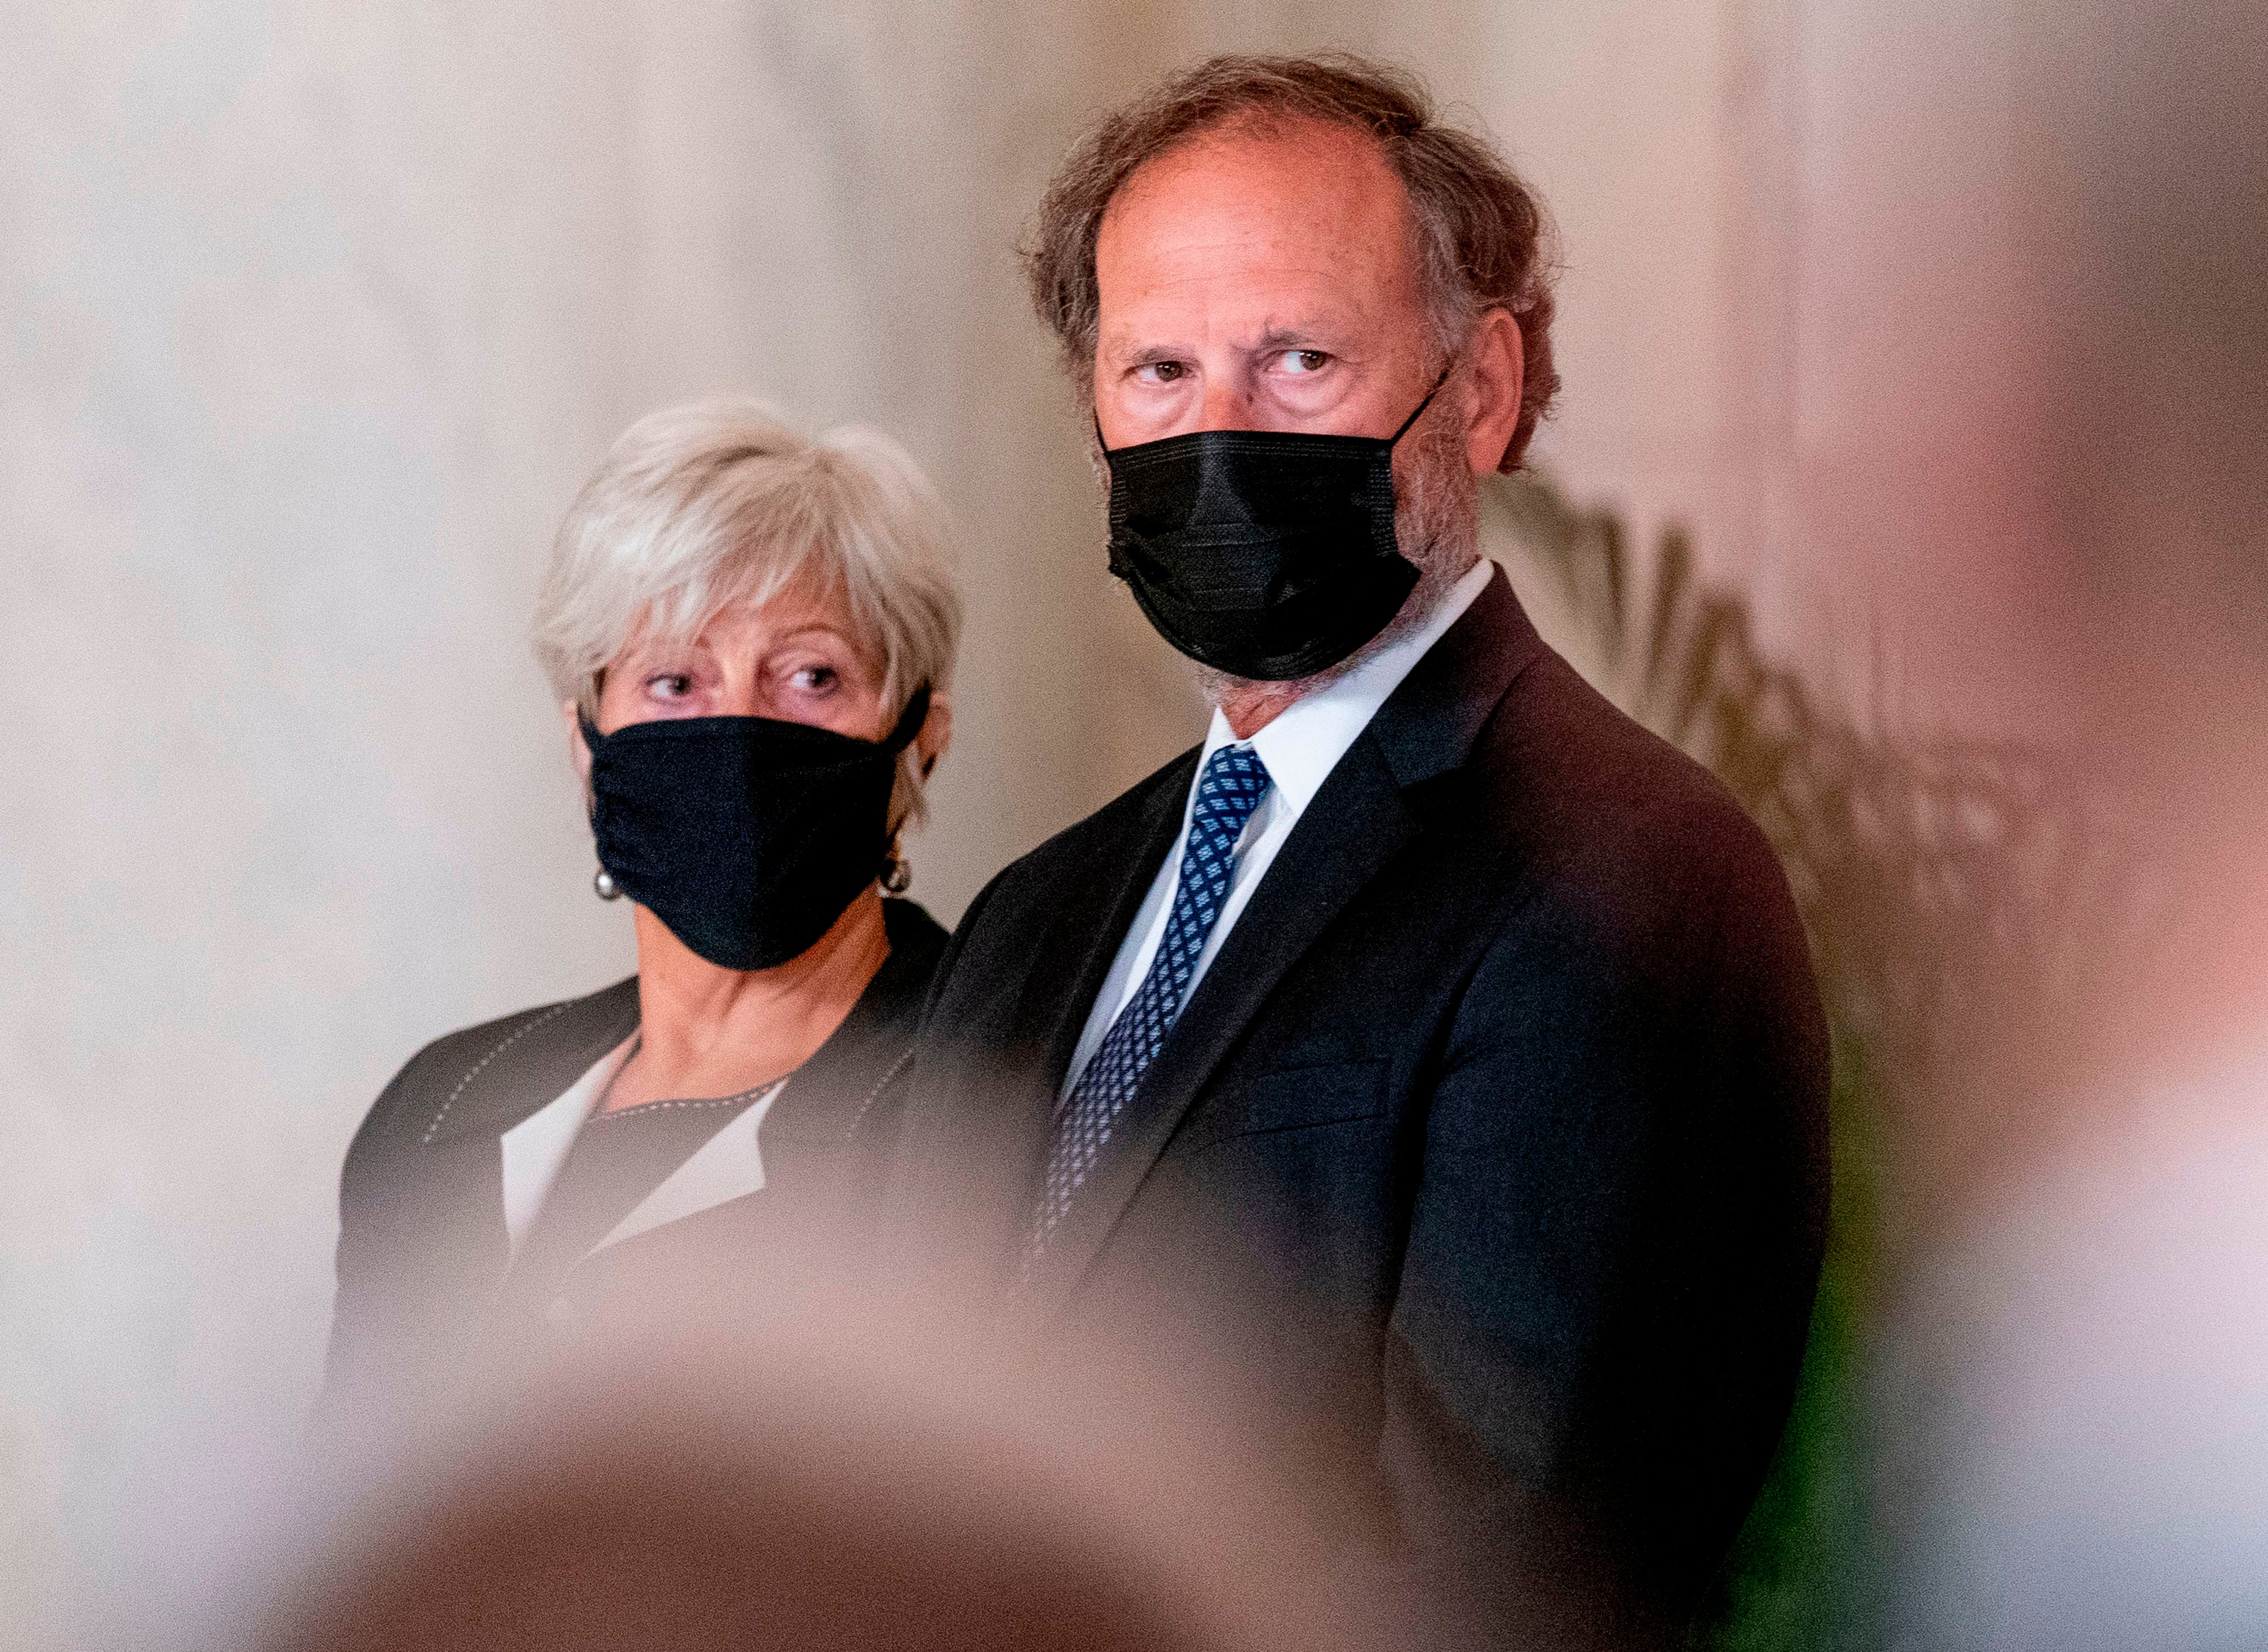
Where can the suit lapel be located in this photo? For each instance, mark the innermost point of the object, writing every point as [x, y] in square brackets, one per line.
[1356, 824]
[1082, 943]
[974, 1150]
[1070, 965]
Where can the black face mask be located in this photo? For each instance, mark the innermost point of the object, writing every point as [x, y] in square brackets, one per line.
[746, 836]
[1268, 554]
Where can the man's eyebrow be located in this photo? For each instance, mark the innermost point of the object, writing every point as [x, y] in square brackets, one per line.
[1313, 333]
[1306, 333]
[1132, 351]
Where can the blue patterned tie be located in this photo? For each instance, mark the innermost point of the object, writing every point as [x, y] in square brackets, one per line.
[1229, 791]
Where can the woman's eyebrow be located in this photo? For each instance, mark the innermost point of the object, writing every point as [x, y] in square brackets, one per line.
[860, 653]
[647, 651]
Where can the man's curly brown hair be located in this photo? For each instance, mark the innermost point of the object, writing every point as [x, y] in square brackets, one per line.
[1482, 239]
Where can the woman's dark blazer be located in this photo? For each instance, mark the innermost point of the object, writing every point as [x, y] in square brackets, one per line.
[422, 1248]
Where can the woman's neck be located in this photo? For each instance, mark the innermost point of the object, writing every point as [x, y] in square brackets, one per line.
[704, 1030]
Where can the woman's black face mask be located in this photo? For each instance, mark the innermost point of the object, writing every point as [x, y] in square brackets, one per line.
[1269, 555]
[746, 836]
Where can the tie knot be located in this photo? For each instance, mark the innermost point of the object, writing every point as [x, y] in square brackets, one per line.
[1231, 787]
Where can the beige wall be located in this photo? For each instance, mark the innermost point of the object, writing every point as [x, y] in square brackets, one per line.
[315, 317]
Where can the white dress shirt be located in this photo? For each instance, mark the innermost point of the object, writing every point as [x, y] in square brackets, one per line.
[1299, 747]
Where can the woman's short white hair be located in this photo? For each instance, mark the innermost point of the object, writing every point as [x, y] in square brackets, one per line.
[699, 507]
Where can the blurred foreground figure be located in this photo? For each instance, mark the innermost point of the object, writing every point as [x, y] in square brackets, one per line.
[751, 634]
[1440, 1046]
[2084, 1364]
[838, 1478]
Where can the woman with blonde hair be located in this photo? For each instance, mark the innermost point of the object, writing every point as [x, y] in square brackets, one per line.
[750, 634]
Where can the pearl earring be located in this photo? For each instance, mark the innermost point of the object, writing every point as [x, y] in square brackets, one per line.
[603, 882]
[897, 872]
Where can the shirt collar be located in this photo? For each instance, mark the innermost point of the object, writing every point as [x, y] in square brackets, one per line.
[1303, 742]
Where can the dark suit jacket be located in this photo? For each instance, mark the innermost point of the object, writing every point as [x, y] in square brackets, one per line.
[1501, 1107]
[422, 1248]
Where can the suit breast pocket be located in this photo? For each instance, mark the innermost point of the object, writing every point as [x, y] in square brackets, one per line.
[1308, 1098]
[1301, 1160]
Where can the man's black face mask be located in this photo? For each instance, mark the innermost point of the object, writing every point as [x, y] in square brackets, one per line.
[1269, 555]
[746, 836]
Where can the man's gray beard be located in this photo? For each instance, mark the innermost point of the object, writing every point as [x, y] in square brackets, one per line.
[1436, 525]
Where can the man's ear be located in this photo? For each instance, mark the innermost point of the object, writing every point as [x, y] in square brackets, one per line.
[579, 751]
[936, 734]
[1493, 388]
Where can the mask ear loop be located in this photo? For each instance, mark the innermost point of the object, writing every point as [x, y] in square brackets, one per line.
[910, 722]
[602, 881]
[897, 874]
[1395, 440]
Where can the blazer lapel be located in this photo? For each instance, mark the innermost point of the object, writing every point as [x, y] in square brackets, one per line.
[1358, 823]
[728, 1165]
[454, 1174]
[534, 1150]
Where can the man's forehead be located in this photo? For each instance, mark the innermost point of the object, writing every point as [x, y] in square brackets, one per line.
[1316, 170]
[1309, 217]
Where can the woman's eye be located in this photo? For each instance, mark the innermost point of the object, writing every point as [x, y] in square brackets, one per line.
[669, 686]
[815, 680]
[1299, 362]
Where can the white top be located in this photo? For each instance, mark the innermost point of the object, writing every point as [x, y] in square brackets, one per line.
[1299, 748]
[726, 1166]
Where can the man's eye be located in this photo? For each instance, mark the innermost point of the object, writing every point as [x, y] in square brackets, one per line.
[1305, 361]
[1159, 372]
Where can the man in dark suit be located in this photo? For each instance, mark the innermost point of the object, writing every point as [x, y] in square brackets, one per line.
[1453, 1031]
